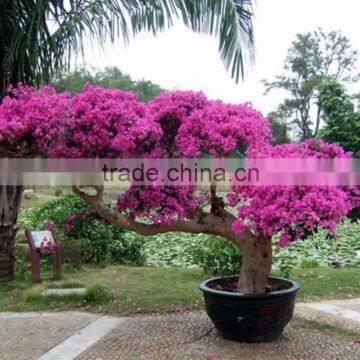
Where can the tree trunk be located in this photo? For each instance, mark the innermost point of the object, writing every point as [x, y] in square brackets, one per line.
[256, 265]
[10, 200]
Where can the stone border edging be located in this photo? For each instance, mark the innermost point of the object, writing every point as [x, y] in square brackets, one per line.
[73, 346]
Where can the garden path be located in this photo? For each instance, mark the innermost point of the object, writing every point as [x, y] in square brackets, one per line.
[182, 335]
[340, 313]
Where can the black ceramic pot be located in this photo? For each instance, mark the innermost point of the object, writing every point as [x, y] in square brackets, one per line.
[250, 318]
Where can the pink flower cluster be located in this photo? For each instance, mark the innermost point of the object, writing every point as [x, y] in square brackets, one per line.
[112, 123]
[49, 225]
[307, 149]
[109, 123]
[47, 246]
[68, 225]
[292, 211]
[160, 204]
[192, 125]
[31, 121]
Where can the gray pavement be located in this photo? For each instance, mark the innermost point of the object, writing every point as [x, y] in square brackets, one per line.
[26, 336]
[188, 335]
[192, 336]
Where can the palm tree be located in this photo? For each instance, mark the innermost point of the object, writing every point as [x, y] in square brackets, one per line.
[38, 37]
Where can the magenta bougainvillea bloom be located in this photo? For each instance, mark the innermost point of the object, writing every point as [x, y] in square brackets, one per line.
[31, 121]
[50, 226]
[220, 129]
[102, 122]
[47, 246]
[109, 123]
[293, 211]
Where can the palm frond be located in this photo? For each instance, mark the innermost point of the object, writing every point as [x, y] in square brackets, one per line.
[40, 36]
[231, 22]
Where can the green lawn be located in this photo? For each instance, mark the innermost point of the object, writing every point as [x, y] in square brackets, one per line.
[44, 194]
[146, 290]
[42, 198]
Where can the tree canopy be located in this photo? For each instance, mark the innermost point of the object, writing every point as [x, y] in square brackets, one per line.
[342, 122]
[104, 123]
[110, 78]
[314, 58]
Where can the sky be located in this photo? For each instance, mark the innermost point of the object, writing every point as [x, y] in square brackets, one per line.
[181, 59]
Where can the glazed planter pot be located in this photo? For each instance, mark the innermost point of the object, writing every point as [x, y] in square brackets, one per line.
[250, 318]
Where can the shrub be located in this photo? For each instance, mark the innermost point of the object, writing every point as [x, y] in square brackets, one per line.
[97, 294]
[85, 239]
[309, 264]
[22, 260]
[217, 256]
[127, 250]
[72, 251]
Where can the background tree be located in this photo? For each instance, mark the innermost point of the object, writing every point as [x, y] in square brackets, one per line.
[110, 78]
[279, 125]
[314, 57]
[342, 122]
[40, 37]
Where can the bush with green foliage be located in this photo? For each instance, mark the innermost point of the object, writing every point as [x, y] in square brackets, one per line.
[97, 294]
[83, 236]
[72, 251]
[217, 257]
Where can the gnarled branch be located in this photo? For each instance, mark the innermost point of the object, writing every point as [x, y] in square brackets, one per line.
[208, 223]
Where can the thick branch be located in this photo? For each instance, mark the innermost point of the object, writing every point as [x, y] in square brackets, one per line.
[217, 203]
[207, 223]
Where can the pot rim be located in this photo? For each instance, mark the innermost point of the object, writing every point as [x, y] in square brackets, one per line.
[294, 287]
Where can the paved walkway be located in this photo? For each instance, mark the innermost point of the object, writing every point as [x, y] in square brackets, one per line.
[82, 336]
[192, 336]
[340, 313]
[26, 336]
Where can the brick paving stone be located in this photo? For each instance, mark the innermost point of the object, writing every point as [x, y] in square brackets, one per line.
[192, 336]
[26, 336]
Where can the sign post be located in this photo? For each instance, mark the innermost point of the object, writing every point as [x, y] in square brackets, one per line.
[42, 242]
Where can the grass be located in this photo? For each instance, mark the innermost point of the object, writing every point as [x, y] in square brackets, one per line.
[148, 290]
[44, 194]
[42, 198]
[327, 283]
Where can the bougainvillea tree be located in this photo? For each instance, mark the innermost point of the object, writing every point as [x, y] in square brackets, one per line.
[112, 123]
